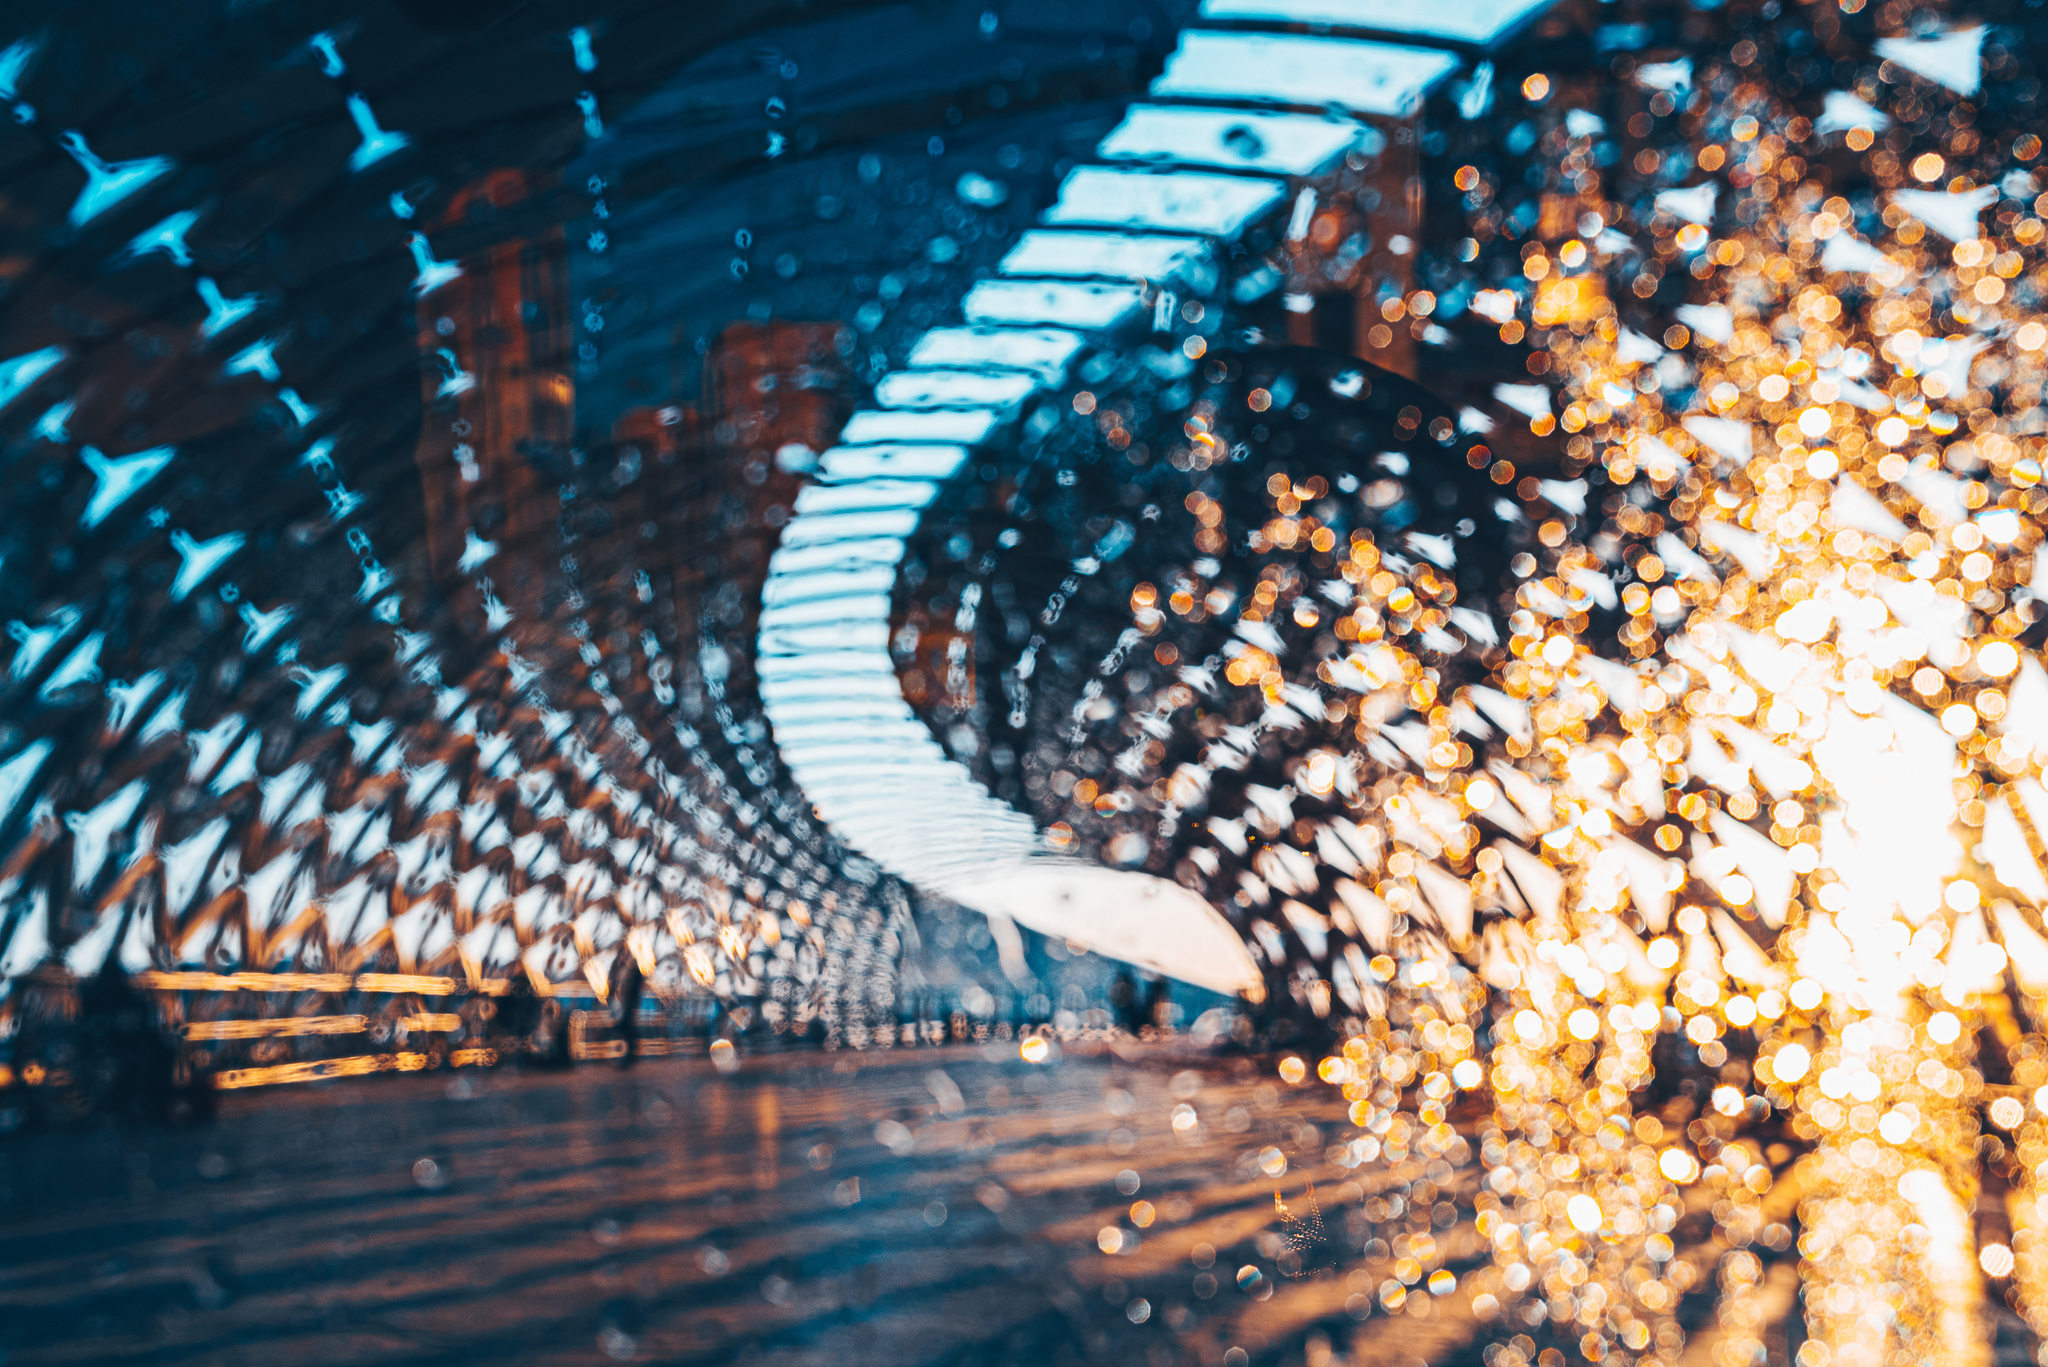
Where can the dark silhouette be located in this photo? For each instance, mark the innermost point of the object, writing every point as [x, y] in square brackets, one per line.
[1159, 1004]
[99, 1051]
[627, 985]
[1123, 1001]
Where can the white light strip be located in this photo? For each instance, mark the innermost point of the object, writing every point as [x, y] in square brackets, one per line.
[1232, 139]
[1108, 255]
[1467, 21]
[1205, 202]
[1386, 79]
[874, 770]
[954, 389]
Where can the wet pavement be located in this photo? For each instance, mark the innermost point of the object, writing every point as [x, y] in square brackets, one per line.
[952, 1205]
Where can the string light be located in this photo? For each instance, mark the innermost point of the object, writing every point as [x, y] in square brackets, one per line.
[1777, 834]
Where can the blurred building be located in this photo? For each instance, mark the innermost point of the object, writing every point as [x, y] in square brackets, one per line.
[498, 424]
[722, 472]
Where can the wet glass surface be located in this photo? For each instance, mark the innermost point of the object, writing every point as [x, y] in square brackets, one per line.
[1441, 602]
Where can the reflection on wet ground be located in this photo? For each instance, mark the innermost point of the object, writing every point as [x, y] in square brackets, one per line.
[952, 1205]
